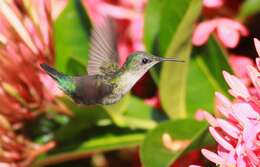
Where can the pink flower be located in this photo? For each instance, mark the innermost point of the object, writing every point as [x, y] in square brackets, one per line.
[199, 115]
[237, 88]
[16, 148]
[238, 134]
[228, 31]
[57, 7]
[130, 22]
[26, 40]
[25, 44]
[153, 101]
[212, 3]
[238, 61]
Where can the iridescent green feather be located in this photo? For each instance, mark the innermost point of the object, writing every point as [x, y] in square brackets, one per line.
[66, 84]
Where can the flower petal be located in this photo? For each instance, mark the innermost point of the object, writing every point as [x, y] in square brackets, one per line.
[246, 110]
[224, 111]
[222, 100]
[257, 45]
[228, 35]
[258, 63]
[50, 84]
[3, 39]
[213, 157]
[250, 135]
[17, 25]
[229, 128]
[199, 116]
[153, 101]
[254, 76]
[239, 115]
[57, 7]
[238, 88]
[238, 61]
[234, 24]
[202, 32]
[212, 3]
[253, 157]
[220, 139]
[117, 12]
[5, 164]
[92, 9]
[211, 120]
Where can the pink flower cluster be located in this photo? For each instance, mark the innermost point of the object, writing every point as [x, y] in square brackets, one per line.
[236, 62]
[228, 32]
[227, 29]
[238, 134]
[26, 40]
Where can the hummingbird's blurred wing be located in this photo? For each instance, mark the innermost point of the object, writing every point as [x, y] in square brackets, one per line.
[103, 58]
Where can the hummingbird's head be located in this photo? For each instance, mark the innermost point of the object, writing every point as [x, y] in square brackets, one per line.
[136, 65]
[141, 62]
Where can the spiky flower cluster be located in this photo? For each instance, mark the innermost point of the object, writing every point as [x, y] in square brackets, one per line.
[228, 30]
[26, 40]
[238, 134]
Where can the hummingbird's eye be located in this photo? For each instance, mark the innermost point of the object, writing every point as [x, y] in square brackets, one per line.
[145, 60]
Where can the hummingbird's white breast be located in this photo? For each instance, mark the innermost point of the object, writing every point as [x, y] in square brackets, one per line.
[128, 80]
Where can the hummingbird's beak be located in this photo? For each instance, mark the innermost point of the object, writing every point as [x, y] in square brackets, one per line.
[170, 59]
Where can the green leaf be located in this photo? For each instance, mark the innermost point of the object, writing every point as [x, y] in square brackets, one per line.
[137, 108]
[135, 114]
[177, 18]
[105, 142]
[155, 154]
[121, 106]
[111, 142]
[215, 58]
[83, 118]
[130, 112]
[248, 8]
[116, 111]
[152, 18]
[71, 38]
[152, 23]
[162, 22]
[42, 129]
[203, 76]
[142, 116]
[174, 75]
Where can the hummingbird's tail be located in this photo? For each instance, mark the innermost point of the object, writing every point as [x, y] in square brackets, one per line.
[65, 82]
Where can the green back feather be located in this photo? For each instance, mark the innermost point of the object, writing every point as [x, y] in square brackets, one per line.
[66, 84]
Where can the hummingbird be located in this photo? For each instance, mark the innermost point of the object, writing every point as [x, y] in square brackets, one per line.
[105, 82]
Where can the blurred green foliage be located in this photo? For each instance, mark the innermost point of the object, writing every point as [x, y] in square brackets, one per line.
[179, 130]
[248, 8]
[72, 30]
